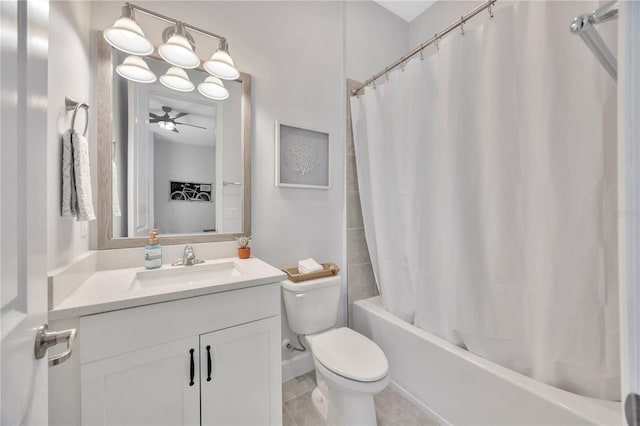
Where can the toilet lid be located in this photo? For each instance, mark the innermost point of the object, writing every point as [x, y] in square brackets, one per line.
[350, 354]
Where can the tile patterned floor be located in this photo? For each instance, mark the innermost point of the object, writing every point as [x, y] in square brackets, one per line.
[392, 409]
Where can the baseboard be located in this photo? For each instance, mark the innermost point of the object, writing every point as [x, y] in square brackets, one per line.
[402, 391]
[296, 366]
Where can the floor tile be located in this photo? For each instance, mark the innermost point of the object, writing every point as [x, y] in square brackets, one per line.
[303, 412]
[286, 418]
[390, 404]
[298, 386]
[392, 408]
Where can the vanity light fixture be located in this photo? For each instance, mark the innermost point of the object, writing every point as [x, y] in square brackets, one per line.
[178, 50]
[213, 88]
[127, 36]
[221, 65]
[177, 79]
[134, 68]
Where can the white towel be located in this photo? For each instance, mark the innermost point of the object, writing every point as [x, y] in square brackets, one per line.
[82, 176]
[68, 208]
[309, 265]
[76, 177]
[115, 199]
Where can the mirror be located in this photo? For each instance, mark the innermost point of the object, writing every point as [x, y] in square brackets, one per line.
[176, 161]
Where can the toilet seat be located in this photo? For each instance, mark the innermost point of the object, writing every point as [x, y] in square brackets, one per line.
[349, 354]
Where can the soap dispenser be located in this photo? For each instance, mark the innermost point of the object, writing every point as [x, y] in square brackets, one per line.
[153, 251]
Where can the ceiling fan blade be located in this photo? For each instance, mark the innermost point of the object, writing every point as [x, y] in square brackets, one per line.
[175, 130]
[152, 115]
[180, 114]
[153, 120]
[190, 125]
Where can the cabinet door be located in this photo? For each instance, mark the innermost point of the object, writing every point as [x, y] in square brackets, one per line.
[244, 387]
[151, 386]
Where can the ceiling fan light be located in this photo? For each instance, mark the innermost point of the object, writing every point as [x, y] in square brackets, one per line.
[221, 65]
[134, 68]
[167, 125]
[177, 79]
[127, 36]
[178, 51]
[213, 88]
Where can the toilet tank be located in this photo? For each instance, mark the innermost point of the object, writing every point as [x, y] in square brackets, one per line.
[312, 306]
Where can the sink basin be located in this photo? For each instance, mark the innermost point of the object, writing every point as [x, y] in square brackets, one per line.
[185, 275]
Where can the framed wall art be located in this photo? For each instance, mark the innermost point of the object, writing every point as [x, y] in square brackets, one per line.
[302, 157]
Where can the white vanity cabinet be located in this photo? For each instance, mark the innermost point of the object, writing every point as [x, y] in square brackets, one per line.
[209, 360]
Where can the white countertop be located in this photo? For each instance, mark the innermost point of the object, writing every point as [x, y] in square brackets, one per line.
[110, 290]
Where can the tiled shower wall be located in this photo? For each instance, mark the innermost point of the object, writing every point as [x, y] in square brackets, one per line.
[361, 283]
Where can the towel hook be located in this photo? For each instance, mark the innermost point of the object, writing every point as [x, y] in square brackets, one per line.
[74, 105]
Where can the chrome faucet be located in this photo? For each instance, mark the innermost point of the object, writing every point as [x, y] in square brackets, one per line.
[188, 258]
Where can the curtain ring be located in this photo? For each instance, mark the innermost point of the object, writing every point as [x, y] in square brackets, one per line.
[402, 64]
[437, 42]
[490, 9]
[462, 25]
[422, 54]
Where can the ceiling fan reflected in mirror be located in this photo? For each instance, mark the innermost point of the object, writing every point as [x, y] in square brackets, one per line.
[168, 122]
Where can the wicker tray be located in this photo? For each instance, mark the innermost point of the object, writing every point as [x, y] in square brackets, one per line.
[330, 269]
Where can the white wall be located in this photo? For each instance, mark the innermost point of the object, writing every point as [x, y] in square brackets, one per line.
[69, 75]
[374, 38]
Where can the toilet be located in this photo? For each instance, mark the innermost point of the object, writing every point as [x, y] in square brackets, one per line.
[350, 368]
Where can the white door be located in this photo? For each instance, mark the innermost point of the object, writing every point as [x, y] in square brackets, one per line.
[241, 375]
[154, 386]
[629, 205]
[23, 182]
[140, 164]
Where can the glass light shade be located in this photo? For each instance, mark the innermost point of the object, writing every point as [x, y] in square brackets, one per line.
[134, 68]
[166, 125]
[177, 79]
[213, 88]
[221, 65]
[177, 51]
[126, 35]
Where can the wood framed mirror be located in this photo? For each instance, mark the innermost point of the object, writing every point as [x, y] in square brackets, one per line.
[171, 160]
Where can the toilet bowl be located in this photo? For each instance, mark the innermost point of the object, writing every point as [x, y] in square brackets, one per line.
[350, 368]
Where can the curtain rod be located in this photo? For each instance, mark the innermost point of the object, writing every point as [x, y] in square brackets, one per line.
[435, 39]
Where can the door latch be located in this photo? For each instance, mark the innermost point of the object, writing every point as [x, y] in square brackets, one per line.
[44, 340]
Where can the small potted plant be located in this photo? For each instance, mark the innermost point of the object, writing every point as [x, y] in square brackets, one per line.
[244, 251]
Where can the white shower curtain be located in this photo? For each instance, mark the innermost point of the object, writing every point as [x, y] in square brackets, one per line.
[486, 171]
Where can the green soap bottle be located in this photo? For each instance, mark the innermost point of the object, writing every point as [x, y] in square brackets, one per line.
[153, 251]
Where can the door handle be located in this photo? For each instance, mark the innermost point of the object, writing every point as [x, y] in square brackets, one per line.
[45, 339]
[632, 409]
[208, 363]
[192, 368]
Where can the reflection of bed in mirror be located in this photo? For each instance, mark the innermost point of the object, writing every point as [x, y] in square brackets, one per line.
[162, 138]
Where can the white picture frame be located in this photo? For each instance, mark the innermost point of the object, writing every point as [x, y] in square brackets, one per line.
[302, 157]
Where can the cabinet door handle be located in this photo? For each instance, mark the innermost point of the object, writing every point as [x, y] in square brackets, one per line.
[208, 363]
[192, 368]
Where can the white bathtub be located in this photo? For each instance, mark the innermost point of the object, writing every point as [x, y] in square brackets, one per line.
[460, 388]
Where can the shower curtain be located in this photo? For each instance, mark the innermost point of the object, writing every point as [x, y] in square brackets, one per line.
[487, 176]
